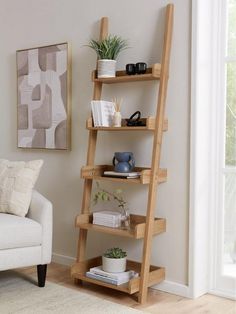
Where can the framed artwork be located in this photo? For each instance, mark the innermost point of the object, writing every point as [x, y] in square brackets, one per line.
[44, 96]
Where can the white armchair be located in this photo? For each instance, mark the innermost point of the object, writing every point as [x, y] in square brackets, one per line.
[27, 241]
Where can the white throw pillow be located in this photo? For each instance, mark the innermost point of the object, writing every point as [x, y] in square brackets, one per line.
[17, 179]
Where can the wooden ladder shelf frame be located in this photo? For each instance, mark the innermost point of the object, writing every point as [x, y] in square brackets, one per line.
[163, 75]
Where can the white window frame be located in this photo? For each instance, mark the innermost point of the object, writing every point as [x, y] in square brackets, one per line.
[206, 134]
[221, 284]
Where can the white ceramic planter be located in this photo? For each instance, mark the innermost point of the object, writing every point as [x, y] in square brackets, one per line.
[106, 68]
[114, 265]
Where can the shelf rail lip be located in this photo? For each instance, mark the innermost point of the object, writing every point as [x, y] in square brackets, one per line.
[150, 126]
[153, 73]
[138, 224]
[95, 172]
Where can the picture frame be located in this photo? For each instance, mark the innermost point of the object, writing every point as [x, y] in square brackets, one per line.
[44, 97]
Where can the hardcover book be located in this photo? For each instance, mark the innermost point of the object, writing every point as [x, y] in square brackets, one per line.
[102, 112]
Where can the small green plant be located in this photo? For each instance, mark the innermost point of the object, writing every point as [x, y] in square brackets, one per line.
[115, 253]
[104, 195]
[108, 48]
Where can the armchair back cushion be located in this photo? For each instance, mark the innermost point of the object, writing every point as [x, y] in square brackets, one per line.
[17, 180]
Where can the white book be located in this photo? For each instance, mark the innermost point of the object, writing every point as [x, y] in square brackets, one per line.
[107, 224]
[106, 279]
[124, 276]
[122, 174]
[103, 112]
[94, 114]
[107, 113]
[111, 221]
[102, 278]
[99, 111]
[108, 213]
[107, 218]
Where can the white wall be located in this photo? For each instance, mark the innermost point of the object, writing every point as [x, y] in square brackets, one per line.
[25, 24]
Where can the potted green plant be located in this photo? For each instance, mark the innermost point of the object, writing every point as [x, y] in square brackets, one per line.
[114, 260]
[107, 51]
[104, 195]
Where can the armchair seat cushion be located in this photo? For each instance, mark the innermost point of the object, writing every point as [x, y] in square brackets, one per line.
[19, 232]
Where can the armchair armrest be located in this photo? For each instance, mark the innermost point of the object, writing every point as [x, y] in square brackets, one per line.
[41, 211]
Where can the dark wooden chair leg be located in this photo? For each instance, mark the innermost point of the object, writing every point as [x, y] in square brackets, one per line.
[42, 271]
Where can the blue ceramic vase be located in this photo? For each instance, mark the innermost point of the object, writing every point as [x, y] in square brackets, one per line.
[125, 162]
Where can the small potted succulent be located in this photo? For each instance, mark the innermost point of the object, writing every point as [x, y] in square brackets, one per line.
[114, 260]
[107, 51]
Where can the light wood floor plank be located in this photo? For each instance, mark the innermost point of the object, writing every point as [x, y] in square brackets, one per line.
[158, 302]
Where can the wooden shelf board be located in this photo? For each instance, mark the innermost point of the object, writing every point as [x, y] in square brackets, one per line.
[156, 275]
[96, 173]
[135, 181]
[136, 231]
[153, 73]
[150, 126]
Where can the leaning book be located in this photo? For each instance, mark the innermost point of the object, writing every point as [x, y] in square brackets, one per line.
[102, 112]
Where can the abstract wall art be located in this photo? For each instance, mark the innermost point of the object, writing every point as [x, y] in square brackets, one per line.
[43, 107]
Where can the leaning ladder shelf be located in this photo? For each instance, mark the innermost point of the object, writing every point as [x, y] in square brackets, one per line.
[142, 227]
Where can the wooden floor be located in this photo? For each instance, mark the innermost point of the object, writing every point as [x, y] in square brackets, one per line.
[158, 302]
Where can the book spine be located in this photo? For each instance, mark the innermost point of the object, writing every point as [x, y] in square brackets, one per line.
[104, 216]
[103, 118]
[107, 224]
[99, 109]
[111, 276]
[93, 113]
[112, 222]
[101, 278]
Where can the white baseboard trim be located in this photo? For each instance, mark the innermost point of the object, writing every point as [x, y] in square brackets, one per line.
[166, 286]
[63, 259]
[228, 295]
[173, 288]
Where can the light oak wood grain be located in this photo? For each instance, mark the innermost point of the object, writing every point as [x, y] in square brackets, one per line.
[150, 126]
[151, 74]
[96, 173]
[152, 176]
[156, 152]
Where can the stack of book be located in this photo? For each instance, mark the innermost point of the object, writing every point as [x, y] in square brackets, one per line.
[107, 218]
[112, 278]
[127, 175]
[103, 112]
